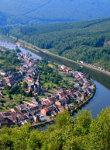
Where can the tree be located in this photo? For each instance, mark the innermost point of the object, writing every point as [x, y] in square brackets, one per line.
[82, 122]
[35, 141]
[63, 119]
[100, 132]
[20, 137]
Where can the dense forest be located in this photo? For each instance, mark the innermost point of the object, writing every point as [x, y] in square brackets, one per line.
[81, 132]
[83, 41]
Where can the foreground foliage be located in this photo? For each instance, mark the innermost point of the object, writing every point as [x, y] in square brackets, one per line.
[79, 133]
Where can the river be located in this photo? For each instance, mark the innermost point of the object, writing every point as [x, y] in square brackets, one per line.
[100, 100]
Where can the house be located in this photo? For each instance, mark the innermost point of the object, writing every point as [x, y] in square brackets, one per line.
[35, 88]
[11, 114]
[58, 104]
[18, 44]
[64, 102]
[32, 107]
[8, 118]
[2, 121]
[91, 88]
[29, 80]
[22, 119]
[34, 101]
[9, 80]
[30, 72]
[1, 95]
[30, 63]
[17, 76]
[44, 111]
[7, 122]
[52, 99]
[82, 98]
[52, 110]
[64, 69]
[1, 84]
[35, 118]
[2, 73]
[42, 118]
[22, 108]
[46, 102]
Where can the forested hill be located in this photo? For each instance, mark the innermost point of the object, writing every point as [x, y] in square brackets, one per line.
[44, 11]
[83, 41]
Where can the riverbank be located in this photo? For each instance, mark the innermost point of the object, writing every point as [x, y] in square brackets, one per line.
[102, 81]
[59, 101]
[86, 101]
[36, 49]
[46, 51]
[72, 110]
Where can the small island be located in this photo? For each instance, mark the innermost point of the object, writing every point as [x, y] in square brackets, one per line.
[35, 91]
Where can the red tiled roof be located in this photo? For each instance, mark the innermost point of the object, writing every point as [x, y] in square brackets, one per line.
[44, 111]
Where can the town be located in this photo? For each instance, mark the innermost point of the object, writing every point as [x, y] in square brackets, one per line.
[44, 109]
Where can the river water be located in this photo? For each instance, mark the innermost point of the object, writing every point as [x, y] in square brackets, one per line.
[100, 100]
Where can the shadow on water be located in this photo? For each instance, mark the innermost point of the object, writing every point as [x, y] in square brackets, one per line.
[102, 97]
[99, 77]
[95, 75]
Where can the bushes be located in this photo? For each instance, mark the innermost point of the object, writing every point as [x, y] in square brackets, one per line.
[68, 133]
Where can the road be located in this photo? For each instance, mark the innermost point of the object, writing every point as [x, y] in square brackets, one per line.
[46, 51]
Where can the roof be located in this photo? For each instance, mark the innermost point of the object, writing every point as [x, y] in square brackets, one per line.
[57, 103]
[44, 111]
[46, 102]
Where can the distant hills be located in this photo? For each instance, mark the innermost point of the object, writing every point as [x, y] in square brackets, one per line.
[44, 11]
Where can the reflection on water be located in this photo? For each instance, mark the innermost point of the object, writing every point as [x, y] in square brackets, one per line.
[102, 97]
[100, 101]
[34, 56]
[101, 78]
[7, 45]
[95, 75]
[12, 46]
